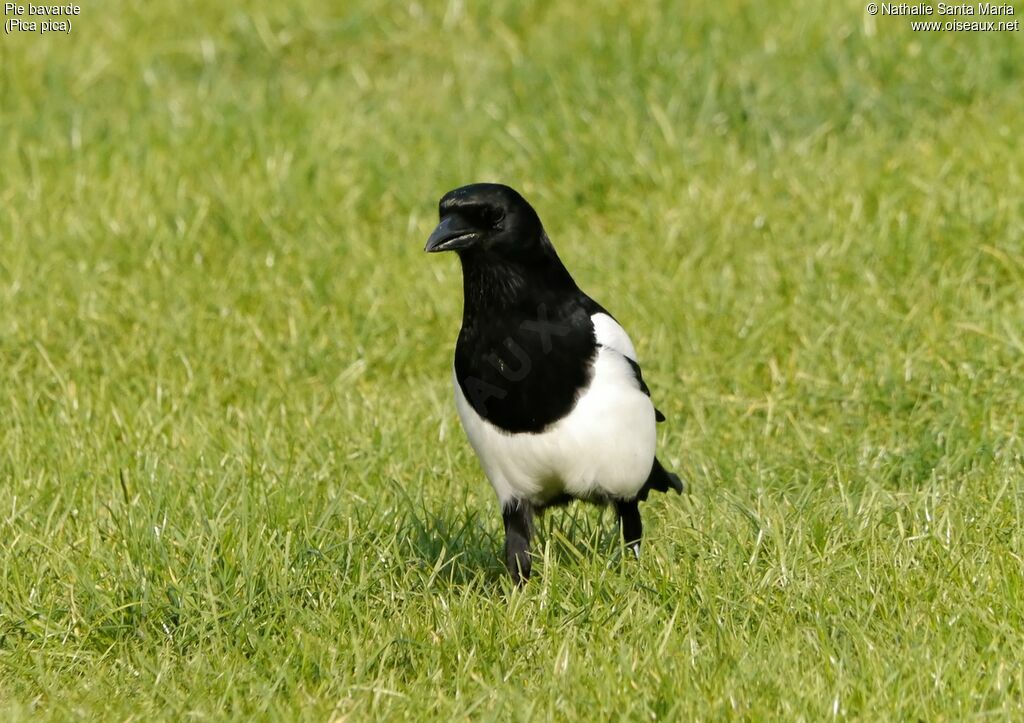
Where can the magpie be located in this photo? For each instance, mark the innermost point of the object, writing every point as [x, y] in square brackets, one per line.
[547, 383]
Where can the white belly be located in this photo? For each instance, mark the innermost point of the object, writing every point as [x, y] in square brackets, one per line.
[603, 448]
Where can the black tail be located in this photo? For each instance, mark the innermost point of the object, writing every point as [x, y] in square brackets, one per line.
[661, 480]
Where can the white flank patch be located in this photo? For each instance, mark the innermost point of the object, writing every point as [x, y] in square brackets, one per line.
[603, 447]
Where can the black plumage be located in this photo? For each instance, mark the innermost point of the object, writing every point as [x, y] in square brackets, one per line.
[547, 383]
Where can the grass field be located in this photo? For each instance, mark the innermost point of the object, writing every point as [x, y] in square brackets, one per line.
[232, 480]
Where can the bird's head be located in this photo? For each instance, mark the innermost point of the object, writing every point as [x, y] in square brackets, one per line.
[486, 217]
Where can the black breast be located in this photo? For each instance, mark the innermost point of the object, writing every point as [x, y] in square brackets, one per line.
[524, 368]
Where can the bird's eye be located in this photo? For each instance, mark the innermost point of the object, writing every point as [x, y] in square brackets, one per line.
[488, 216]
[494, 217]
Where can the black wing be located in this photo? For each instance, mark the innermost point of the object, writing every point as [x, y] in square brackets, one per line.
[658, 416]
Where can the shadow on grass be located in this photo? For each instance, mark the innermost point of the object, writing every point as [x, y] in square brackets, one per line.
[462, 546]
[459, 548]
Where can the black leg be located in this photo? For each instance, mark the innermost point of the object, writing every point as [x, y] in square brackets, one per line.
[518, 517]
[632, 528]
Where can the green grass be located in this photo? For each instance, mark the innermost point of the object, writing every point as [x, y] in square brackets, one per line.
[232, 481]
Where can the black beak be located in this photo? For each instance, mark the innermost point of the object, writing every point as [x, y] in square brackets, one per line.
[453, 233]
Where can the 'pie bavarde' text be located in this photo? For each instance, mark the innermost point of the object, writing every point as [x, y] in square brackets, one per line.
[39, 18]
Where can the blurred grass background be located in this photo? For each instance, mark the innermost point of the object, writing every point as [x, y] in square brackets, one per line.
[232, 482]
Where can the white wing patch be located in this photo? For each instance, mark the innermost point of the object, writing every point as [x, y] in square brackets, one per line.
[603, 447]
[610, 334]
